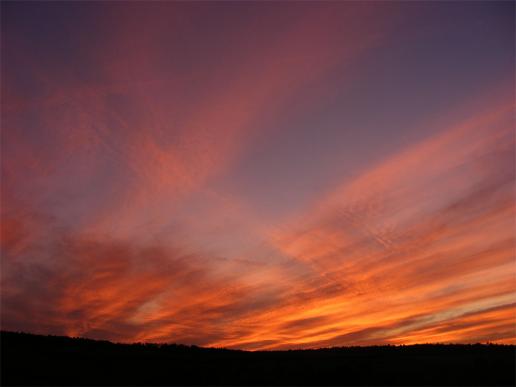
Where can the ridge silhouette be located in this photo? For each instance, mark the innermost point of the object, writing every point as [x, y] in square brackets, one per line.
[28, 359]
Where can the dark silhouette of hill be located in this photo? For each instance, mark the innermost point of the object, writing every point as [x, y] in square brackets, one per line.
[28, 359]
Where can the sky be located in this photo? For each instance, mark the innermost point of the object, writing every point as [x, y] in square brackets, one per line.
[259, 175]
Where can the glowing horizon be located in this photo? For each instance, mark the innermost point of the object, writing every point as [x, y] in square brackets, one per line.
[259, 175]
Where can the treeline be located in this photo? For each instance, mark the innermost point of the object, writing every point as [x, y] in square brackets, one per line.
[28, 359]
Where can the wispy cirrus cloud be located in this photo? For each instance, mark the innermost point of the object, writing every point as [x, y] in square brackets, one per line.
[138, 136]
[100, 287]
[118, 221]
[427, 231]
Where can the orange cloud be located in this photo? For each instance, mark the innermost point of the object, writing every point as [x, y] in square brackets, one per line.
[144, 135]
[140, 244]
[429, 232]
[113, 289]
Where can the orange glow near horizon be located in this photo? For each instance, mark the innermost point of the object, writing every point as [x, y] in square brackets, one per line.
[308, 175]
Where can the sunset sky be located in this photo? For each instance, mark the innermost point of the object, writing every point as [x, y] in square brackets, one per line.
[259, 175]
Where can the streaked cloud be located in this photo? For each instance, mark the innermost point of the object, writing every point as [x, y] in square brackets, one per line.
[123, 215]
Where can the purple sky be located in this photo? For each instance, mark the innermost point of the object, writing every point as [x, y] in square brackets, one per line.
[259, 174]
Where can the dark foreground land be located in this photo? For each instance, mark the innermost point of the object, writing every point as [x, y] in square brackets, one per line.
[52, 360]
